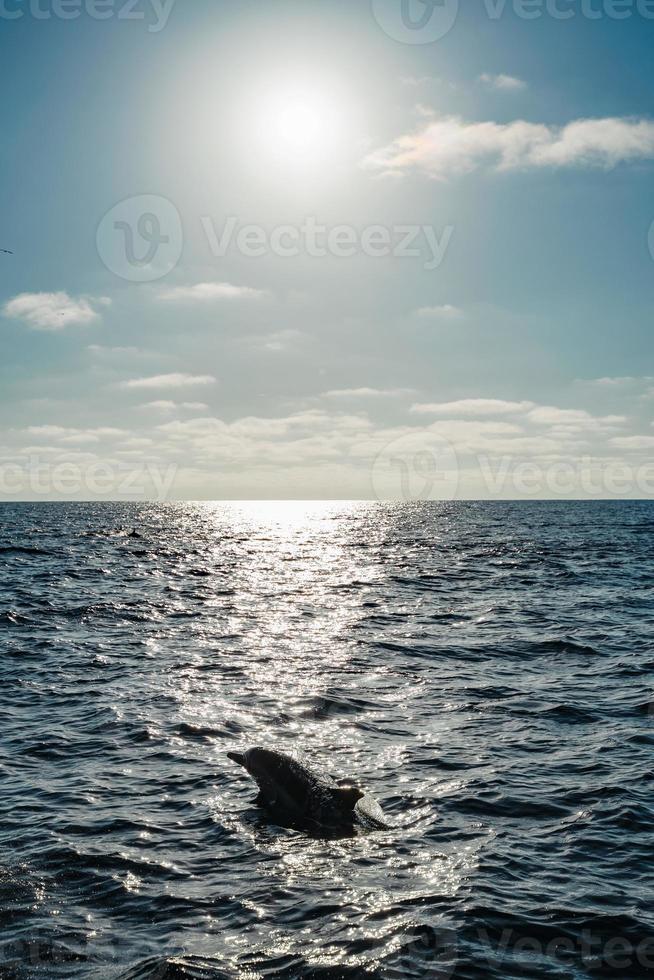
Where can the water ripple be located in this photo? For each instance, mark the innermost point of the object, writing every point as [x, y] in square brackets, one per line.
[484, 670]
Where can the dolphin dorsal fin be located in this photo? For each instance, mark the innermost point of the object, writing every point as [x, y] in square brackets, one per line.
[349, 796]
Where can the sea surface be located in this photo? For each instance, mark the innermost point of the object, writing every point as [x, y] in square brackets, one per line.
[483, 669]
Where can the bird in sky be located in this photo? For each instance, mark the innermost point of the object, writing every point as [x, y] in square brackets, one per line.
[6, 251]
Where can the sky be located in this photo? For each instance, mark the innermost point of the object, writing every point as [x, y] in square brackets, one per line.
[386, 249]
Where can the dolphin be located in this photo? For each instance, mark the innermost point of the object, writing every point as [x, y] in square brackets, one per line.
[287, 783]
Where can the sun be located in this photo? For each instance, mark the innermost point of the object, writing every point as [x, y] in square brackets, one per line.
[299, 126]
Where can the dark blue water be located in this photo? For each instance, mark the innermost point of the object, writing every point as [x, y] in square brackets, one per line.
[485, 670]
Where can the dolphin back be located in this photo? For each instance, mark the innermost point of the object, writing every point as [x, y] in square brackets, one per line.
[289, 783]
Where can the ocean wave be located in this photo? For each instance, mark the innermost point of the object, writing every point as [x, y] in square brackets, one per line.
[484, 671]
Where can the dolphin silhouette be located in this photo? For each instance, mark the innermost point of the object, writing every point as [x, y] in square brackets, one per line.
[287, 783]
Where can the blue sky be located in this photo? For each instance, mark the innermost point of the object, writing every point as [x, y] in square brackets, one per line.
[507, 355]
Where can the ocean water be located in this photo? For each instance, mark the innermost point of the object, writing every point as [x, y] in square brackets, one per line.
[484, 670]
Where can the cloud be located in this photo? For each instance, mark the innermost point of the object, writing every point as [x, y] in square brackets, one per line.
[297, 440]
[53, 311]
[578, 418]
[633, 442]
[503, 83]
[305, 438]
[450, 146]
[49, 431]
[279, 340]
[81, 438]
[177, 380]
[614, 382]
[473, 407]
[445, 312]
[74, 435]
[565, 425]
[308, 451]
[160, 406]
[207, 292]
[137, 442]
[169, 406]
[367, 392]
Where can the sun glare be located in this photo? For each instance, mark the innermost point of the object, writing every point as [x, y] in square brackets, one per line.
[299, 126]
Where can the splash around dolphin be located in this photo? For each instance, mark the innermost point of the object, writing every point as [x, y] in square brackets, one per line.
[287, 784]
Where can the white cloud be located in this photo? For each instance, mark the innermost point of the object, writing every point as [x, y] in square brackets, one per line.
[53, 311]
[565, 425]
[279, 340]
[49, 431]
[449, 146]
[137, 442]
[295, 440]
[503, 83]
[614, 382]
[160, 406]
[74, 435]
[633, 442]
[170, 406]
[310, 450]
[177, 380]
[549, 415]
[205, 292]
[81, 438]
[445, 312]
[473, 407]
[367, 392]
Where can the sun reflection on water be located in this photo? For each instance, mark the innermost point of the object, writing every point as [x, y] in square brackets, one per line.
[285, 597]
